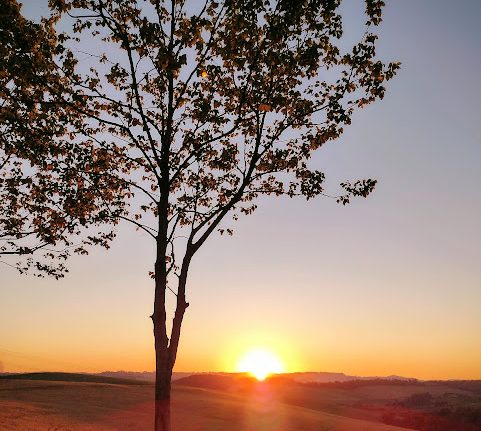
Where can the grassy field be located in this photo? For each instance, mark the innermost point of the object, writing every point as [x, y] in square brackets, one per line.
[35, 405]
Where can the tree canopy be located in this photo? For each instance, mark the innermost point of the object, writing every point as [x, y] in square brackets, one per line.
[182, 113]
[210, 104]
[48, 196]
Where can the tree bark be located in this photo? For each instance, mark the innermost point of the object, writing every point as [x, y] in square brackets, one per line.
[164, 361]
[163, 364]
[163, 372]
[165, 351]
[162, 398]
[162, 415]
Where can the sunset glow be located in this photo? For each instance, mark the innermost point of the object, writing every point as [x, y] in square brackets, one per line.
[324, 287]
[260, 363]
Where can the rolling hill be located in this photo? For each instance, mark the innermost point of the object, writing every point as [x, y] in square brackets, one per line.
[73, 377]
[85, 406]
[209, 402]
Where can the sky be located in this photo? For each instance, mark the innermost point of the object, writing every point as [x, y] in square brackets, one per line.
[387, 285]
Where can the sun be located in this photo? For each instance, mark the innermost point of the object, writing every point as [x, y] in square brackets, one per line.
[260, 363]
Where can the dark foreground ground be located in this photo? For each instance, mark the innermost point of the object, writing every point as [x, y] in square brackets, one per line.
[211, 403]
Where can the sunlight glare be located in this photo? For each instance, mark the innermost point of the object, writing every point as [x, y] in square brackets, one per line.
[260, 363]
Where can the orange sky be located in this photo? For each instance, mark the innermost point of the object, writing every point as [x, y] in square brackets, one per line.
[387, 285]
[97, 332]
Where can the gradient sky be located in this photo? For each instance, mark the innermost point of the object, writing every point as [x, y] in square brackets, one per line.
[387, 285]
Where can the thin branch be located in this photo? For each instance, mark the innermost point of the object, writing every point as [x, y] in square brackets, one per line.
[145, 228]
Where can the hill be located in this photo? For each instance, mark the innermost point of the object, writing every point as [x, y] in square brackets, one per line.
[47, 405]
[237, 402]
[304, 377]
[72, 377]
[328, 377]
[147, 376]
[424, 406]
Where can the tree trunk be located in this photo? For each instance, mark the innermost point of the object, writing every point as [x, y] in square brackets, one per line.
[165, 351]
[162, 415]
[162, 394]
[163, 364]
[165, 355]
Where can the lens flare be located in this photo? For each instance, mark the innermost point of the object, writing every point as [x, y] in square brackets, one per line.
[260, 363]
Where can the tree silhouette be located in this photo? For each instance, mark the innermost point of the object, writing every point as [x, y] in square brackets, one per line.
[205, 106]
[47, 209]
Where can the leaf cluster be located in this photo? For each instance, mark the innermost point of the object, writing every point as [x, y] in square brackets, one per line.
[53, 189]
[182, 112]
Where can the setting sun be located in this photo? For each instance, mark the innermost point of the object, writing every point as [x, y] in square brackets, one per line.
[260, 363]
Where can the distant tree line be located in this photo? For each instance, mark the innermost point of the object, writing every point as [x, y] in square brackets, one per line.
[425, 412]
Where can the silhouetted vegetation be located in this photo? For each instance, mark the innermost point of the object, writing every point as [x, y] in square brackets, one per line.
[354, 384]
[460, 419]
[449, 411]
[56, 197]
[197, 109]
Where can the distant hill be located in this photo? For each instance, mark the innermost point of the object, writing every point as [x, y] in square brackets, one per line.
[134, 377]
[303, 377]
[220, 382]
[243, 382]
[327, 377]
[72, 377]
[148, 376]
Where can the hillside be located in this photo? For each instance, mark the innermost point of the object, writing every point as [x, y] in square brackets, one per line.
[72, 377]
[303, 377]
[47, 405]
[424, 406]
[79, 402]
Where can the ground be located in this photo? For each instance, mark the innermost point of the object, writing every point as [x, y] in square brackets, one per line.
[31, 405]
[222, 402]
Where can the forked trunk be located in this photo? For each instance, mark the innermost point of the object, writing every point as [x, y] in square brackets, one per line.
[165, 355]
[165, 350]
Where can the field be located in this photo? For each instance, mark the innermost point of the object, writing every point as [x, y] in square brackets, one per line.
[204, 404]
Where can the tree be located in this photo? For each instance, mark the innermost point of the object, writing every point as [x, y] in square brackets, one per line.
[205, 106]
[45, 202]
